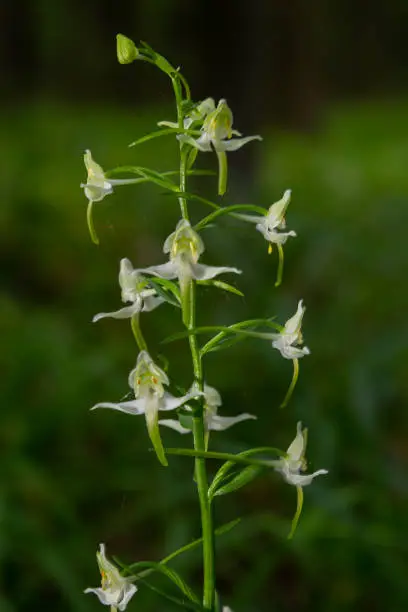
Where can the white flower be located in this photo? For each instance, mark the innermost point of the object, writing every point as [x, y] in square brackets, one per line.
[185, 247]
[212, 421]
[291, 465]
[198, 113]
[133, 288]
[274, 220]
[97, 186]
[216, 135]
[147, 381]
[217, 131]
[289, 339]
[116, 591]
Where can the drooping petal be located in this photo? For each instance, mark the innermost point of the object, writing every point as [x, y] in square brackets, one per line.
[127, 595]
[203, 272]
[301, 480]
[152, 302]
[288, 351]
[174, 424]
[219, 423]
[137, 406]
[234, 143]
[153, 404]
[106, 597]
[170, 402]
[123, 313]
[272, 235]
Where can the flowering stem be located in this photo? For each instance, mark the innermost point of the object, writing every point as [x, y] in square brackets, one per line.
[188, 306]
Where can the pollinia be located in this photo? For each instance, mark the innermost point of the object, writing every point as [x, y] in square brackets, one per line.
[200, 127]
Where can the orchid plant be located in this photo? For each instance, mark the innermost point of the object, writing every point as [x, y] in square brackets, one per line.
[201, 126]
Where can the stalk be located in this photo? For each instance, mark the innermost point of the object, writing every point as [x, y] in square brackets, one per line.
[189, 310]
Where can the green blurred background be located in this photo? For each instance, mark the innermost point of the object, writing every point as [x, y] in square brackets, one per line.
[325, 83]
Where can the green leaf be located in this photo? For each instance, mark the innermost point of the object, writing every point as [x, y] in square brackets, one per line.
[237, 481]
[186, 605]
[166, 289]
[147, 174]
[170, 573]
[191, 157]
[221, 285]
[164, 132]
[223, 473]
[232, 329]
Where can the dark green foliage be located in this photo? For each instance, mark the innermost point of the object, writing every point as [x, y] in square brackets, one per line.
[71, 479]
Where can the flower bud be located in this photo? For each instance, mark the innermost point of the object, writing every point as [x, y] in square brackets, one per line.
[126, 49]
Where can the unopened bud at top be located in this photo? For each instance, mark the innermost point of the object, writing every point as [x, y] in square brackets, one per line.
[126, 49]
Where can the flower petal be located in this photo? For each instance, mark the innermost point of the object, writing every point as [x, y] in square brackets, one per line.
[137, 406]
[169, 402]
[167, 270]
[203, 272]
[130, 590]
[234, 143]
[152, 302]
[219, 423]
[174, 424]
[123, 313]
[297, 447]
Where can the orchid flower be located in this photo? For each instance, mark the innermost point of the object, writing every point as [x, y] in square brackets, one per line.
[198, 113]
[288, 341]
[185, 246]
[291, 466]
[212, 421]
[116, 591]
[147, 381]
[134, 289]
[97, 187]
[216, 134]
[269, 224]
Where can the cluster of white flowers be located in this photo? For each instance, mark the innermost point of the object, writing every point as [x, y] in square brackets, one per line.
[184, 247]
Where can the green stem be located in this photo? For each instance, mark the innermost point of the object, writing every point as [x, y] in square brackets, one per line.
[188, 306]
[180, 119]
[137, 332]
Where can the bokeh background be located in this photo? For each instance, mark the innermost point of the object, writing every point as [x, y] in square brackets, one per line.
[325, 83]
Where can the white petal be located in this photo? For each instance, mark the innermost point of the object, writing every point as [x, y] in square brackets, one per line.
[106, 597]
[174, 424]
[292, 352]
[277, 211]
[169, 402]
[137, 406]
[292, 325]
[234, 143]
[123, 313]
[272, 235]
[296, 449]
[130, 590]
[203, 272]
[302, 480]
[202, 144]
[152, 302]
[167, 270]
[219, 423]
